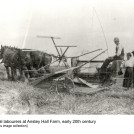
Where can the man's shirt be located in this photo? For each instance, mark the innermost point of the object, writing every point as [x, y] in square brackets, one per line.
[119, 50]
[128, 63]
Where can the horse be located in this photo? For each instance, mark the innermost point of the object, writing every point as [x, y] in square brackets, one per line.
[34, 60]
[11, 57]
[40, 59]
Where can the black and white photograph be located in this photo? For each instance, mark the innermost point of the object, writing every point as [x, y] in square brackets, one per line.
[66, 57]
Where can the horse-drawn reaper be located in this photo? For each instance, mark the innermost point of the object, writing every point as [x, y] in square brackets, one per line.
[36, 66]
[71, 76]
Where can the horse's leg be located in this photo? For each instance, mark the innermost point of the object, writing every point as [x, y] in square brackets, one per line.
[47, 68]
[29, 73]
[23, 72]
[15, 74]
[12, 73]
[23, 75]
[47, 63]
[7, 70]
[26, 74]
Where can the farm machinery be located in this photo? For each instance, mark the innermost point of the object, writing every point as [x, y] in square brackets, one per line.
[83, 76]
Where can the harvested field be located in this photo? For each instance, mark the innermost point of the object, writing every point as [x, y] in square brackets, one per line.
[22, 98]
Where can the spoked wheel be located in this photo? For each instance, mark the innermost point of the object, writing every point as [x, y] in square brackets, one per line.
[69, 84]
[60, 85]
[64, 84]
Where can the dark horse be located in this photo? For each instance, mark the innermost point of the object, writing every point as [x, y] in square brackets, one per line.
[11, 57]
[36, 60]
[41, 59]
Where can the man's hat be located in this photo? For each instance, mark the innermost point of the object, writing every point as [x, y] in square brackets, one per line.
[116, 39]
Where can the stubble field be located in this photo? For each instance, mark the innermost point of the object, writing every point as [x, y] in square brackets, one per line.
[22, 98]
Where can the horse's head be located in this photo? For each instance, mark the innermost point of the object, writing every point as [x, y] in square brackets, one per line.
[2, 51]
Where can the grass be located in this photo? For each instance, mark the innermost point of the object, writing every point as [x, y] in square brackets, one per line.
[22, 98]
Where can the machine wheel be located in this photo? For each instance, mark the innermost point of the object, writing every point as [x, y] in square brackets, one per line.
[69, 85]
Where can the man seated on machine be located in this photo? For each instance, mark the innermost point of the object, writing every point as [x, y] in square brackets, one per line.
[119, 55]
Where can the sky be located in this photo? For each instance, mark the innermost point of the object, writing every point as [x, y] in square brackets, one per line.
[83, 23]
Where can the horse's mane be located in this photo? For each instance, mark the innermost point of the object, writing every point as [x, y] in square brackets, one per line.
[43, 52]
[15, 48]
[11, 47]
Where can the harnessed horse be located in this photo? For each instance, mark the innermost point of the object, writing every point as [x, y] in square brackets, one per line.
[35, 61]
[11, 57]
